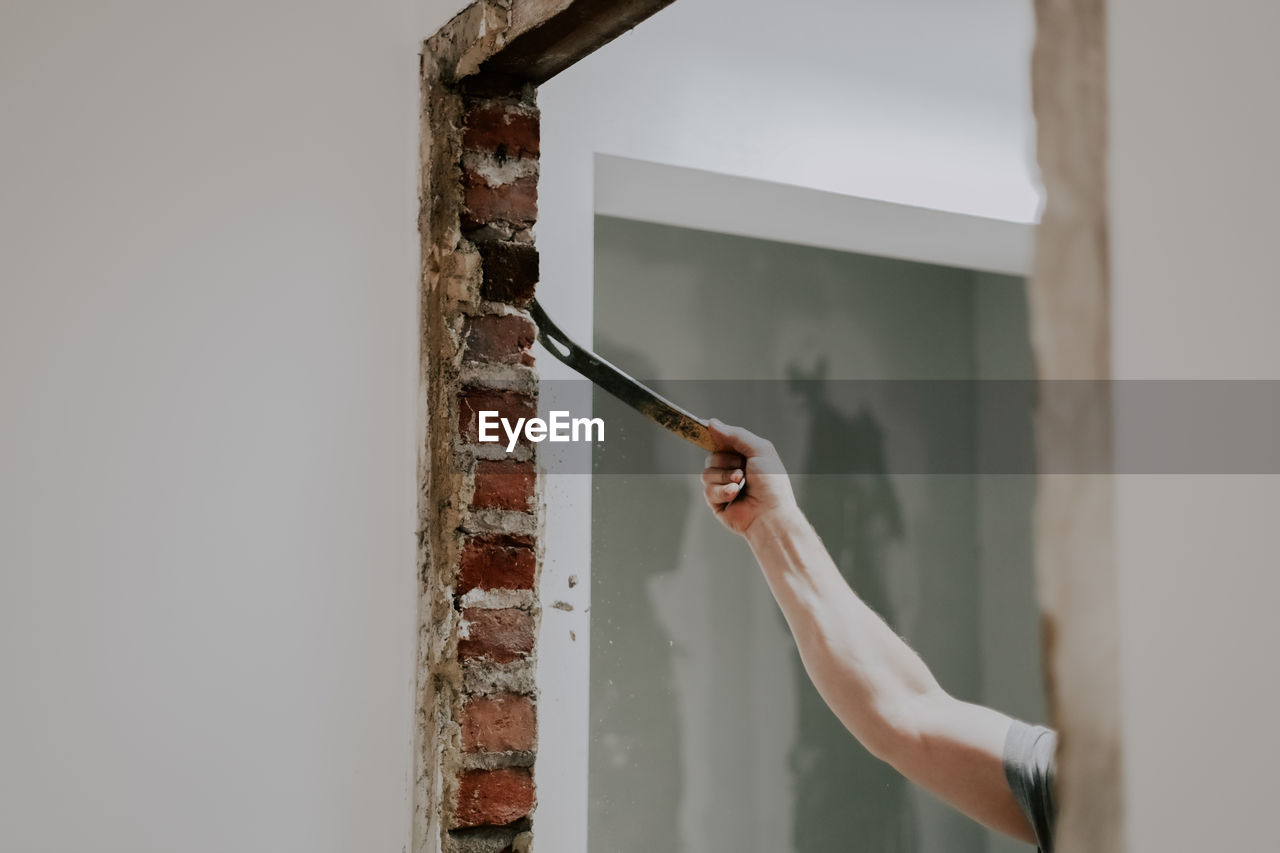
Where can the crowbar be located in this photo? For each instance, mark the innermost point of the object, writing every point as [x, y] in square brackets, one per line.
[635, 394]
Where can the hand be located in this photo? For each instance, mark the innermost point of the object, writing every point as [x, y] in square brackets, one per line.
[744, 480]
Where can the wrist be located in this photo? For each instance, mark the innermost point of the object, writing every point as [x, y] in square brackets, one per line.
[775, 523]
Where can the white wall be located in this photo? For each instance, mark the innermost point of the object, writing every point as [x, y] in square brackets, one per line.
[208, 371]
[1194, 178]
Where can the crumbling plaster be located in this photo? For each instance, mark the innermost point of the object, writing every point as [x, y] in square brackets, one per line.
[1075, 503]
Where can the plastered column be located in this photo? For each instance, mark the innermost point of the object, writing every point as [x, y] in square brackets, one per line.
[1075, 510]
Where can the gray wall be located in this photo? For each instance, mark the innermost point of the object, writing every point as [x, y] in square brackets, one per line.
[705, 732]
[1193, 183]
[1010, 622]
[208, 373]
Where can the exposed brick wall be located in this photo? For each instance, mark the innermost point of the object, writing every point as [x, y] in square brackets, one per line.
[506, 722]
[506, 484]
[499, 169]
[499, 339]
[496, 573]
[494, 561]
[510, 272]
[509, 403]
[480, 509]
[494, 797]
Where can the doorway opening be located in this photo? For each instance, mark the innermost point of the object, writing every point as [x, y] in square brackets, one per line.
[898, 393]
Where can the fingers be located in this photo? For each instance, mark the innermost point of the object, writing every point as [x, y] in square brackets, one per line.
[721, 486]
[721, 476]
[726, 459]
[738, 439]
[718, 496]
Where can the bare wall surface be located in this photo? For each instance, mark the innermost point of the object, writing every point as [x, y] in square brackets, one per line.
[1194, 131]
[921, 102]
[208, 369]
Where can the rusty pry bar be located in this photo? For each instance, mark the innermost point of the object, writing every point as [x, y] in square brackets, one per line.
[644, 400]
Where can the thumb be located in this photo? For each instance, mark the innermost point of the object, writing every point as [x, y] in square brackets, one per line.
[736, 439]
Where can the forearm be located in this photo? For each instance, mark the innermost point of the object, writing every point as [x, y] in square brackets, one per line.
[868, 676]
[871, 679]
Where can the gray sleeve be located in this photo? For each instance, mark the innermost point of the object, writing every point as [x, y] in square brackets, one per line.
[1028, 765]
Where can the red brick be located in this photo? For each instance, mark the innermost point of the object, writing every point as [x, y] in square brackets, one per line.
[515, 202]
[499, 339]
[508, 404]
[502, 723]
[504, 484]
[497, 561]
[510, 272]
[503, 129]
[494, 797]
[499, 636]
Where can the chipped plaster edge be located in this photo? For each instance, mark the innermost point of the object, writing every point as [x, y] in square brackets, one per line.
[1070, 302]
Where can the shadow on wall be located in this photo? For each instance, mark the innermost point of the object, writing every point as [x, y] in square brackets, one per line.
[842, 792]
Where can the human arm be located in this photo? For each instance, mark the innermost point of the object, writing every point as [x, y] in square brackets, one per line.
[874, 683]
